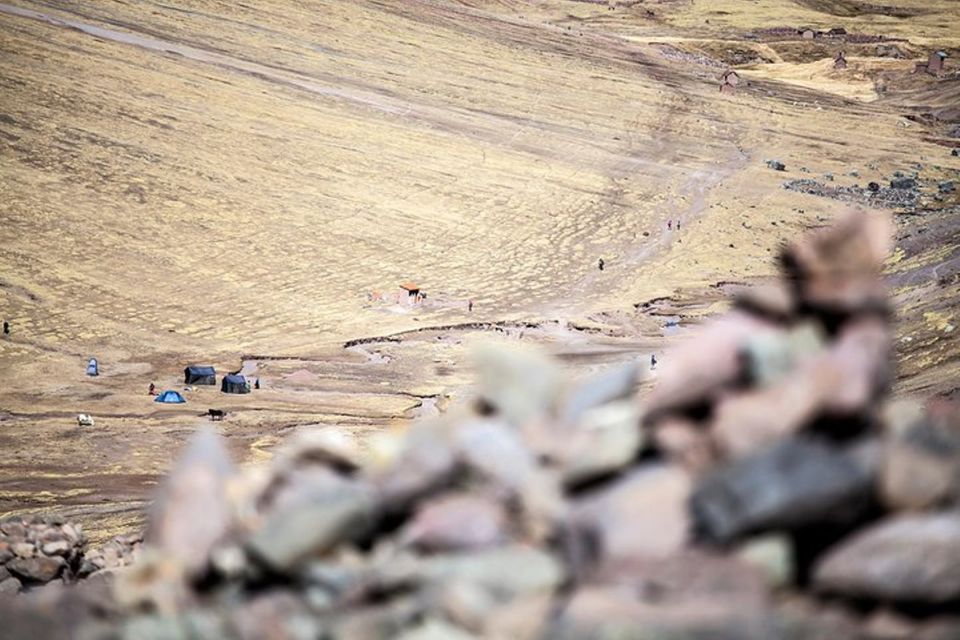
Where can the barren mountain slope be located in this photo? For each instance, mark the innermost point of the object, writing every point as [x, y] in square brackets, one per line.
[197, 182]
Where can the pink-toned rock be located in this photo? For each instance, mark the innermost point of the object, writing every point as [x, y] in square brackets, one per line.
[921, 465]
[326, 445]
[772, 301]
[457, 522]
[688, 595]
[39, 569]
[914, 479]
[13, 528]
[192, 511]
[289, 486]
[684, 443]
[56, 548]
[643, 514]
[422, 462]
[838, 268]
[522, 618]
[276, 614]
[749, 421]
[111, 556]
[941, 628]
[887, 625]
[911, 558]
[466, 604]
[10, 587]
[857, 367]
[699, 369]
[72, 533]
[606, 439]
[843, 380]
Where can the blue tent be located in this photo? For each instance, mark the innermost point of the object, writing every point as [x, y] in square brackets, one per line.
[170, 397]
[93, 369]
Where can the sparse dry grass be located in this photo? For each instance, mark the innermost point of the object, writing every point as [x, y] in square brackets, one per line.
[239, 178]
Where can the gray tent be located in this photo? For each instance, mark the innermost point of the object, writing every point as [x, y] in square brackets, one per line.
[234, 383]
[195, 374]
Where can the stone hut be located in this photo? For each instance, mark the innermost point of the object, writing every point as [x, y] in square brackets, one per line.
[729, 81]
[730, 77]
[935, 61]
[412, 289]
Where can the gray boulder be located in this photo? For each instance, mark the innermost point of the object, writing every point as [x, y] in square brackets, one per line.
[795, 483]
[903, 183]
[37, 569]
[312, 526]
[911, 558]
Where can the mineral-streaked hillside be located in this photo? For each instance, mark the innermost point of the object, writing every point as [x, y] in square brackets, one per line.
[197, 182]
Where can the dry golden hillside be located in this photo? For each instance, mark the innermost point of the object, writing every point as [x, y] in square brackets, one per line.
[233, 184]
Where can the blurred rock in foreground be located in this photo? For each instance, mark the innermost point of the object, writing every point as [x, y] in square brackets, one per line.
[766, 488]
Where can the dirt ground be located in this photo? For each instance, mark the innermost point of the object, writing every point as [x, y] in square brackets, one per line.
[217, 183]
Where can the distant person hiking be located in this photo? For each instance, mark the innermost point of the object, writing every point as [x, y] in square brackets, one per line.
[669, 225]
[6, 328]
[470, 305]
[653, 361]
[678, 225]
[600, 263]
[152, 390]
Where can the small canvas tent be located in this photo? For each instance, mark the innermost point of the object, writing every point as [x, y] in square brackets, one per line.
[170, 397]
[234, 383]
[195, 374]
[93, 367]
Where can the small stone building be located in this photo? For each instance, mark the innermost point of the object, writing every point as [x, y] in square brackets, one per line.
[729, 82]
[412, 289]
[935, 61]
[730, 77]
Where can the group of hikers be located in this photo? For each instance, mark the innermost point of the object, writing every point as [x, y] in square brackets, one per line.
[670, 227]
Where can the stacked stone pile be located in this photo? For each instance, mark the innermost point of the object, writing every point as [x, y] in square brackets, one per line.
[119, 552]
[767, 488]
[37, 550]
[901, 194]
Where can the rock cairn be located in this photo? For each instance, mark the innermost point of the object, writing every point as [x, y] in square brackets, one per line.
[117, 553]
[766, 488]
[37, 550]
